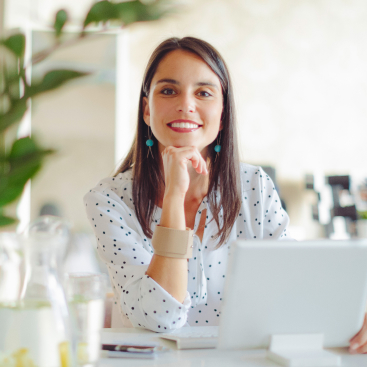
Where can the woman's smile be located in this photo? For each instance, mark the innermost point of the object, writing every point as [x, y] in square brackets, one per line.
[183, 126]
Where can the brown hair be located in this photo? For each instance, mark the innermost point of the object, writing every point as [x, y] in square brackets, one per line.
[224, 174]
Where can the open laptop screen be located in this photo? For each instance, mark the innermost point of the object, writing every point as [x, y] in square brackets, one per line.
[293, 288]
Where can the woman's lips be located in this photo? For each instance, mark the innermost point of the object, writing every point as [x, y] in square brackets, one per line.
[183, 127]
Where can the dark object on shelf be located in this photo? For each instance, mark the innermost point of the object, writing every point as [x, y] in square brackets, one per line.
[343, 181]
[315, 212]
[310, 184]
[347, 212]
[338, 184]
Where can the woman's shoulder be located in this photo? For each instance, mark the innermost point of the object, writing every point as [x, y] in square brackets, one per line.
[251, 176]
[247, 168]
[115, 186]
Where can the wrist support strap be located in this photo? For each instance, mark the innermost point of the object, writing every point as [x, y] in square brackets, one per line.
[173, 242]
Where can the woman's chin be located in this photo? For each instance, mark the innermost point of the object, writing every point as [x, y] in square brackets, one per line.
[182, 144]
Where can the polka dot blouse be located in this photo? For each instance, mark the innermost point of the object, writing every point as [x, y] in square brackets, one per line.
[122, 245]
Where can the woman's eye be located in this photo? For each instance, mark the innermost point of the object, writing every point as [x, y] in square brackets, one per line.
[168, 91]
[204, 93]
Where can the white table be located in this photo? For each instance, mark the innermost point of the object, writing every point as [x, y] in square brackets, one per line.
[200, 357]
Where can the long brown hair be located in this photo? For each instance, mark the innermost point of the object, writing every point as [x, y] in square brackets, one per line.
[224, 171]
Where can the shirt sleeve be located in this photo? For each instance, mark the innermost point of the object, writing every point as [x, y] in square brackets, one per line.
[121, 244]
[275, 218]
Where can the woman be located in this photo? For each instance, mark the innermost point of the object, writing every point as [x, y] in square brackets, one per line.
[165, 221]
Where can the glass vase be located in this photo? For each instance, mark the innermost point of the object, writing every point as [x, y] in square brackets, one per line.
[38, 330]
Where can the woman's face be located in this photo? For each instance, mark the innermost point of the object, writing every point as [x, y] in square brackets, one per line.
[185, 102]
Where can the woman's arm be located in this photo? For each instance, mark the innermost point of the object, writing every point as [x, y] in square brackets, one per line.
[171, 273]
[127, 252]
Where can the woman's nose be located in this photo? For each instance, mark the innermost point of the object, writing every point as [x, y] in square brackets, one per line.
[186, 104]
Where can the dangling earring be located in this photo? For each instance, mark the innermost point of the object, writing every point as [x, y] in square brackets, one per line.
[149, 143]
[218, 147]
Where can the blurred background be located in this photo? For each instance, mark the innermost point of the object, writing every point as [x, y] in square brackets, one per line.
[300, 81]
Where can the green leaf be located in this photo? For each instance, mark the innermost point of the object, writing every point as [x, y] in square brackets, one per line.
[60, 20]
[16, 44]
[101, 12]
[52, 80]
[135, 11]
[14, 115]
[10, 192]
[5, 221]
[23, 162]
[128, 12]
[22, 147]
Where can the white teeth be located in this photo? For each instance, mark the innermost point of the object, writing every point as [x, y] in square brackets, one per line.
[185, 125]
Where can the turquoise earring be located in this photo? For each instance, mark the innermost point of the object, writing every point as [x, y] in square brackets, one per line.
[218, 147]
[149, 143]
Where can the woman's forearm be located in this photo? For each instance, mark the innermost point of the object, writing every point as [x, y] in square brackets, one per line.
[171, 273]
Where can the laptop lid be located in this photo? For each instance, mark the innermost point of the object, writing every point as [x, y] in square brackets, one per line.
[293, 288]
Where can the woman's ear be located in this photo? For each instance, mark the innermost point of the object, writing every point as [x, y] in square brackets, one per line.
[146, 111]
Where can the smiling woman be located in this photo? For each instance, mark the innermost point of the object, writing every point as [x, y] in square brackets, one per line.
[165, 221]
[186, 79]
[193, 93]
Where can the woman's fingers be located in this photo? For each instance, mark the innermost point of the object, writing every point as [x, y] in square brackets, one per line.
[358, 344]
[197, 161]
[201, 167]
[360, 350]
[199, 164]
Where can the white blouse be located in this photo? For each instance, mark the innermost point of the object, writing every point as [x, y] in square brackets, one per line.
[141, 302]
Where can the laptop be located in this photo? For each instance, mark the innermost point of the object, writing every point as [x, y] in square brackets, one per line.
[274, 288]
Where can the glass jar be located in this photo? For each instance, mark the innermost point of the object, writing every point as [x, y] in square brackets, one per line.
[38, 331]
[11, 276]
[86, 295]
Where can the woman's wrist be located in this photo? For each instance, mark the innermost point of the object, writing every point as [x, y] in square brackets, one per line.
[173, 212]
[174, 195]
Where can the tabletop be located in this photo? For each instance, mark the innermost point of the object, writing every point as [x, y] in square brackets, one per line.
[199, 357]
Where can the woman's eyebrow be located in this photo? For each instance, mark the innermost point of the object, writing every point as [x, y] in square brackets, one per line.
[207, 84]
[173, 81]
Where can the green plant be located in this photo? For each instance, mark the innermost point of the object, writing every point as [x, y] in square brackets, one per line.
[23, 158]
[362, 215]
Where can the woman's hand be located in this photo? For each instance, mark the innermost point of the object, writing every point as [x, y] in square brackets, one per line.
[175, 163]
[358, 344]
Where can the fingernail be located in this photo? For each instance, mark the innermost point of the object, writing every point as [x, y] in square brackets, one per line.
[354, 346]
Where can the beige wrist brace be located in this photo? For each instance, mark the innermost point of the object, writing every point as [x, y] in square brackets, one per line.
[173, 242]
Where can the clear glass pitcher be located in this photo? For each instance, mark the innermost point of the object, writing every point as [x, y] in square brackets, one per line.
[38, 330]
[11, 277]
[10, 268]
